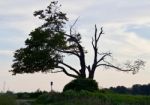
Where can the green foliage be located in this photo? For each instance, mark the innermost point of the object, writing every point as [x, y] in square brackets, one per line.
[71, 97]
[7, 99]
[40, 53]
[49, 98]
[82, 84]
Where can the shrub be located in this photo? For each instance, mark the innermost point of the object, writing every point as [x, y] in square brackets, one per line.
[51, 97]
[81, 84]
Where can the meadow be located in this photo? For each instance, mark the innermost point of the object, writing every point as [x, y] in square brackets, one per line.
[73, 98]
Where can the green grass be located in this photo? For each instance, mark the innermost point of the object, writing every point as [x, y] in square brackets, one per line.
[122, 99]
[91, 98]
[78, 98]
[7, 99]
[71, 98]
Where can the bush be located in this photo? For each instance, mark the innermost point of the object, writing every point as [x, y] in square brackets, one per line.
[81, 84]
[71, 97]
[46, 98]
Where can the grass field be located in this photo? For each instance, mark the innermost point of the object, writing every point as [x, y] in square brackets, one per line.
[77, 98]
[7, 99]
[91, 98]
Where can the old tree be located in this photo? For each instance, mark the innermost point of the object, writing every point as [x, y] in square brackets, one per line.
[49, 44]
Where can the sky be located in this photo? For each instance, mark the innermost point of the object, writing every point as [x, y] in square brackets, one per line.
[126, 24]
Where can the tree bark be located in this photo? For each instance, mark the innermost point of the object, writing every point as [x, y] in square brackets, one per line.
[91, 75]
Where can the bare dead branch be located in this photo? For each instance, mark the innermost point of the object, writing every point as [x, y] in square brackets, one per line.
[95, 48]
[130, 67]
[101, 32]
[103, 57]
[95, 36]
[93, 43]
[112, 66]
[73, 25]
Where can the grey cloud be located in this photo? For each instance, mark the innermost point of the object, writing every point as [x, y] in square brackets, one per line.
[116, 11]
[11, 38]
[12, 18]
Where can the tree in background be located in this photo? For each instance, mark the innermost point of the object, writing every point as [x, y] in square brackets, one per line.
[49, 44]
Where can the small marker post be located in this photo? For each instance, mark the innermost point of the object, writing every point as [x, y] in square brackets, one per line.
[51, 86]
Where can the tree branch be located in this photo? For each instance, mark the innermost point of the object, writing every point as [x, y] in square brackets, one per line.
[89, 68]
[68, 52]
[101, 32]
[95, 48]
[71, 68]
[75, 38]
[64, 70]
[73, 25]
[56, 71]
[81, 51]
[93, 43]
[95, 36]
[103, 57]
[112, 66]
[134, 69]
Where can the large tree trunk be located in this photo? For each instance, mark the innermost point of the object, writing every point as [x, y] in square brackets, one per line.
[91, 75]
[83, 74]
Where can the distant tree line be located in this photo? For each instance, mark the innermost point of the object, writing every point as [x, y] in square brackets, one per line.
[136, 89]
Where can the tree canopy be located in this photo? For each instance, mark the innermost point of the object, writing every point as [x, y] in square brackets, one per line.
[49, 44]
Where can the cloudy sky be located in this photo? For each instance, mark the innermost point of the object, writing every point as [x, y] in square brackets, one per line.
[127, 35]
